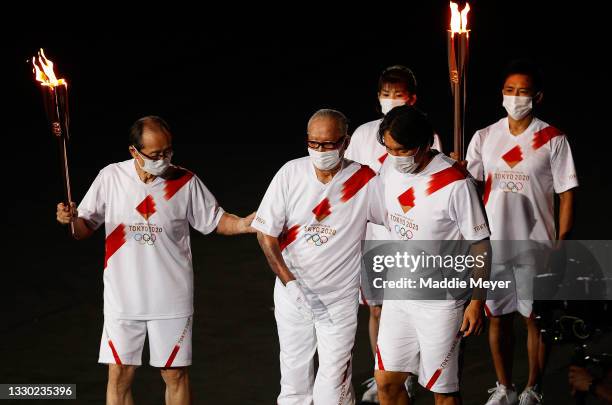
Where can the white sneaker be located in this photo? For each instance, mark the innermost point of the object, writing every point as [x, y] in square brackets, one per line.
[502, 395]
[411, 383]
[530, 396]
[371, 393]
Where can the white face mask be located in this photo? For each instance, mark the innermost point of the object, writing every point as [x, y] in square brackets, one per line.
[154, 167]
[326, 160]
[388, 104]
[518, 106]
[404, 164]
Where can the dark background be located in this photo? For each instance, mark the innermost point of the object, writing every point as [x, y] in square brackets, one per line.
[237, 97]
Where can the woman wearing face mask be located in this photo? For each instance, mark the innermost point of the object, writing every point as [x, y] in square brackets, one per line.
[523, 162]
[397, 86]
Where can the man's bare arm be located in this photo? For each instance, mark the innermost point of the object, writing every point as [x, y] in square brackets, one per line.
[481, 249]
[271, 248]
[566, 213]
[231, 224]
[473, 319]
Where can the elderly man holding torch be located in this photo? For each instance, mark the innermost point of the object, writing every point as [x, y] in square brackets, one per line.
[147, 206]
[311, 223]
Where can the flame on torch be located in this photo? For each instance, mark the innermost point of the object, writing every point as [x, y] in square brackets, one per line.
[464, 14]
[55, 94]
[44, 71]
[458, 49]
[458, 23]
[55, 98]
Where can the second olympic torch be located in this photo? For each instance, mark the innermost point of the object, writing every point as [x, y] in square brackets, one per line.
[55, 97]
[458, 52]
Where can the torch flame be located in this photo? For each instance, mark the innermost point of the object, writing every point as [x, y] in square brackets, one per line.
[464, 14]
[45, 74]
[458, 23]
[455, 24]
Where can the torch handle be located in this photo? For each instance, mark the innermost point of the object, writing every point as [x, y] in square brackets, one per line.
[457, 64]
[56, 105]
[458, 122]
[66, 177]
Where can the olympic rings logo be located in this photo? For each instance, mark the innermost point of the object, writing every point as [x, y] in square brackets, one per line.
[403, 232]
[512, 186]
[145, 238]
[316, 239]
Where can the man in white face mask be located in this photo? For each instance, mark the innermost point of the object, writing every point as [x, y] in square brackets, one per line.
[147, 206]
[427, 197]
[153, 165]
[522, 163]
[311, 222]
[397, 86]
[326, 154]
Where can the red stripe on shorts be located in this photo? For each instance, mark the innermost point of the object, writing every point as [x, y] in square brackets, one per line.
[172, 356]
[115, 354]
[433, 379]
[381, 366]
[487, 311]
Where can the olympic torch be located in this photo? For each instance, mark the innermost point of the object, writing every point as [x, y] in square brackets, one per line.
[55, 98]
[458, 49]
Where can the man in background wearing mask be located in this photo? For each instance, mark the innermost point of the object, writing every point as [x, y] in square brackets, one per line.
[522, 162]
[147, 206]
[311, 222]
[426, 197]
[397, 86]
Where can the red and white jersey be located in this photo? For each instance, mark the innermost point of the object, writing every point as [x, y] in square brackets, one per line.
[319, 226]
[148, 272]
[521, 174]
[438, 203]
[365, 148]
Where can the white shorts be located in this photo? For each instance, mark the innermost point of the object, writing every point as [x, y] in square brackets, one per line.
[169, 341]
[520, 276]
[423, 339]
[331, 335]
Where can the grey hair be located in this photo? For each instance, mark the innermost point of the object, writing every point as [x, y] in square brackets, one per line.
[336, 115]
